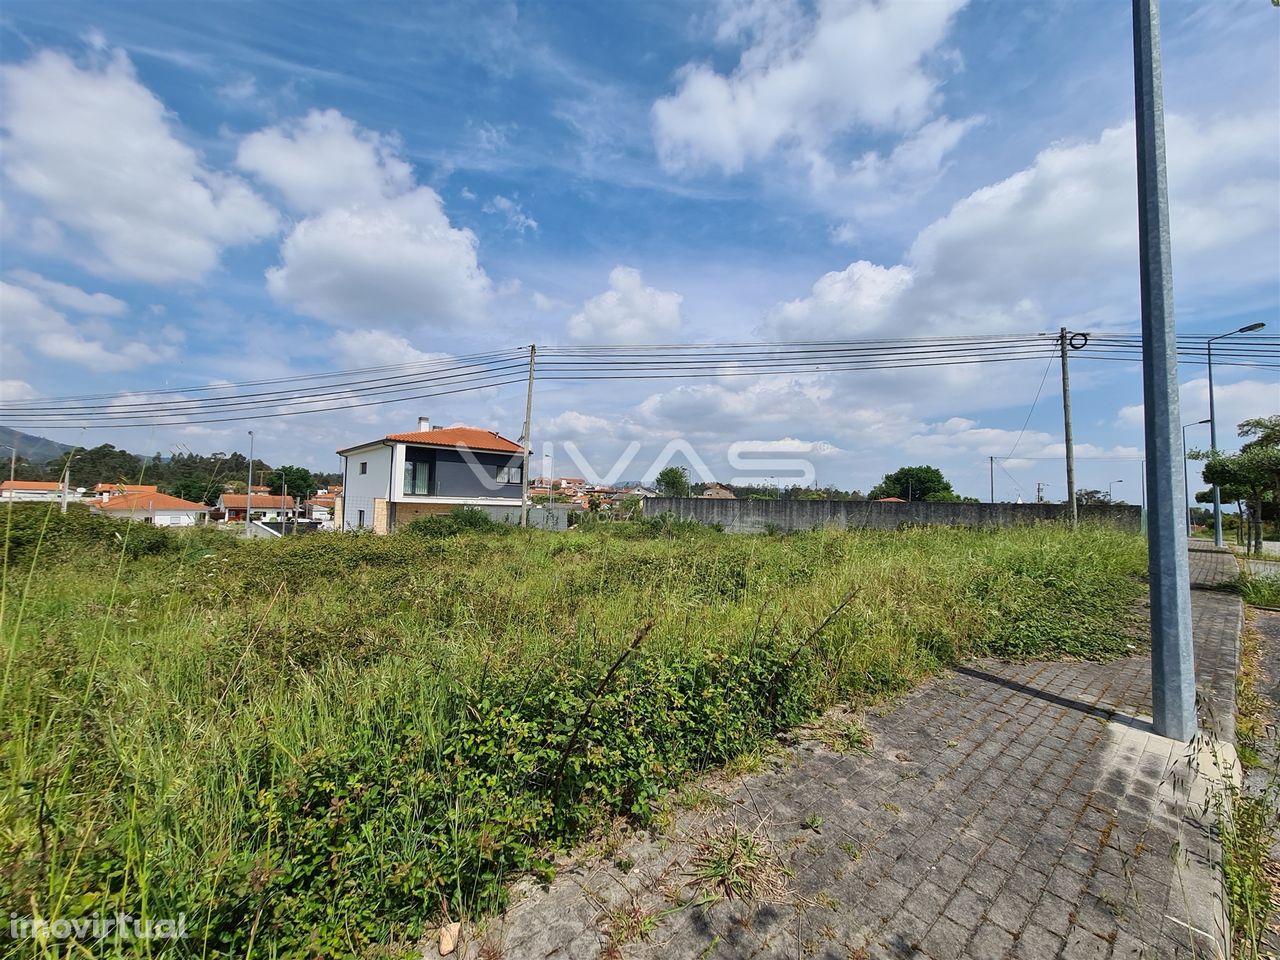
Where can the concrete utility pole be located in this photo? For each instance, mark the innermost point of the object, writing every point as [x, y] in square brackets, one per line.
[1173, 678]
[524, 441]
[248, 493]
[1072, 510]
[991, 470]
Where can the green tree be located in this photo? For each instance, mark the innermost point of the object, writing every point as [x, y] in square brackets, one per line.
[1254, 472]
[1261, 431]
[674, 482]
[914, 483]
[100, 464]
[195, 489]
[298, 479]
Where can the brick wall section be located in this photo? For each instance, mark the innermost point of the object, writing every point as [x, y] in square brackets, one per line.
[381, 516]
[757, 516]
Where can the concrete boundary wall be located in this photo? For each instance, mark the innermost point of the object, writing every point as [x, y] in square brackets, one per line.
[759, 516]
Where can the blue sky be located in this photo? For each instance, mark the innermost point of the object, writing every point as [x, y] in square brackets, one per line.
[197, 193]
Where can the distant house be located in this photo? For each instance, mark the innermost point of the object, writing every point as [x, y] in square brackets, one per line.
[396, 478]
[891, 500]
[234, 486]
[105, 491]
[30, 490]
[718, 491]
[640, 491]
[150, 506]
[320, 507]
[264, 506]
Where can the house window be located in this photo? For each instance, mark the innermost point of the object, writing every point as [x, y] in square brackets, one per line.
[508, 474]
[364, 466]
[360, 519]
[417, 478]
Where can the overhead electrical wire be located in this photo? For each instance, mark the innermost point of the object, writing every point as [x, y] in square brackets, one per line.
[439, 376]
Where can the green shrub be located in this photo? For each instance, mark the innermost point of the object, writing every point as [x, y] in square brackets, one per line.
[1260, 591]
[456, 521]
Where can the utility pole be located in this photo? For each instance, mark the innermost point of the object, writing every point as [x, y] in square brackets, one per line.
[1213, 425]
[66, 485]
[1173, 678]
[1040, 485]
[524, 441]
[991, 469]
[1072, 511]
[248, 492]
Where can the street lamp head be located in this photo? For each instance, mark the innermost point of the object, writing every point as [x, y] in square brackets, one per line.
[1252, 327]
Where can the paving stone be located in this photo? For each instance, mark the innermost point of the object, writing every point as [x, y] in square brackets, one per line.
[1010, 911]
[1083, 945]
[990, 941]
[945, 940]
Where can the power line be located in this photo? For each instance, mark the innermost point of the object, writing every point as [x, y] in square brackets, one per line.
[1032, 409]
[360, 387]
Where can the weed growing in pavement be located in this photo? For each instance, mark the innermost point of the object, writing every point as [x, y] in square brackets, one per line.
[737, 864]
[1258, 590]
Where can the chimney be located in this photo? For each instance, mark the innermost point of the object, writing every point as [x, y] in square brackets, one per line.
[424, 424]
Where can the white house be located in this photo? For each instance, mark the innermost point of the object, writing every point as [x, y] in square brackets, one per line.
[265, 506]
[401, 476]
[31, 490]
[152, 507]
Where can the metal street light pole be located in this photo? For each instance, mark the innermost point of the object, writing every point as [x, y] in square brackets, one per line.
[248, 492]
[1213, 425]
[1110, 487]
[1173, 678]
[1186, 480]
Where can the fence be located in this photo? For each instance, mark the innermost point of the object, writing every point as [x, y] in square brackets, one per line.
[758, 516]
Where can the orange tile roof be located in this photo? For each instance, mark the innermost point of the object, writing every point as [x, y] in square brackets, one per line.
[471, 437]
[124, 488]
[238, 501]
[146, 501]
[30, 485]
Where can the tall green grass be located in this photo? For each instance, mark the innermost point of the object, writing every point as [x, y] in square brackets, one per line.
[321, 746]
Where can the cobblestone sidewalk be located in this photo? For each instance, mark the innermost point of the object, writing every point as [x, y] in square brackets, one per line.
[1021, 810]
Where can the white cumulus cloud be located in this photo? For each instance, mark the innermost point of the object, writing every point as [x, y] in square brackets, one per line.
[37, 325]
[325, 160]
[1057, 241]
[374, 249]
[628, 312]
[801, 82]
[398, 263]
[101, 154]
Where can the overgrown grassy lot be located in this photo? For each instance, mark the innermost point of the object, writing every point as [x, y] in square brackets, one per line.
[320, 746]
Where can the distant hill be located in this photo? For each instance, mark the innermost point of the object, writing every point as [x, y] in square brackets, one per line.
[30, 448]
